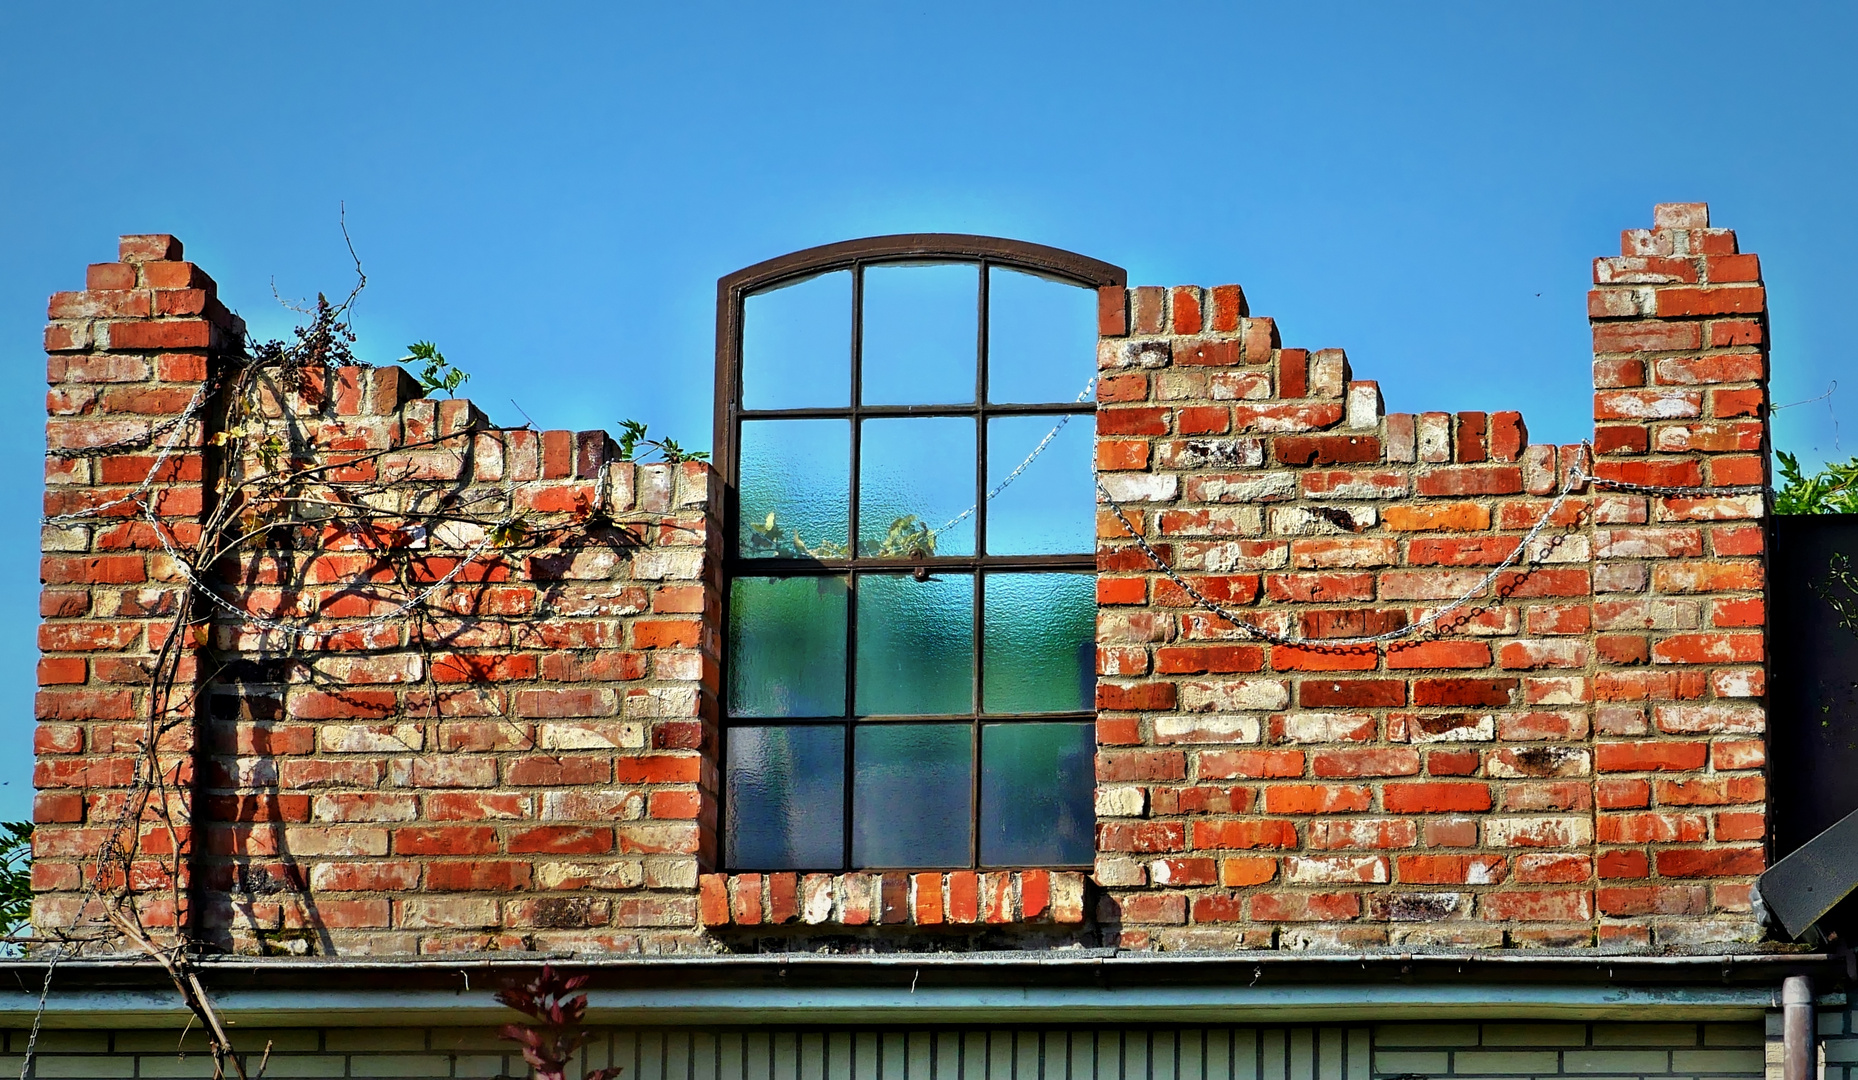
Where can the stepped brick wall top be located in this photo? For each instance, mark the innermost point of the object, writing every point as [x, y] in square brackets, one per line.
[1574, 758]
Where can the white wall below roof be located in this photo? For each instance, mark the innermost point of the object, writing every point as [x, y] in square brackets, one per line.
[1357, 1051]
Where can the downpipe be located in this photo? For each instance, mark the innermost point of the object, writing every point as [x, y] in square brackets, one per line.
[1797, 1056]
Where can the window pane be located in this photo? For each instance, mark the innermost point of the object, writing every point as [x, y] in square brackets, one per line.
[915, 645]
[787, 646]
[915, 478]
[920, 334]
[1041, 338]
[798, 473]
[911, 796]
[1051, 507]
[786, 798]
[797, 344]
[1040, 652]
[1036, 786]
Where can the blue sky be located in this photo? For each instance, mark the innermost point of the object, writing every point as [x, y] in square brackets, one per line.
[551, 191]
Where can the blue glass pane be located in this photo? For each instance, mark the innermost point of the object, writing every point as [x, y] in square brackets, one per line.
[920, 334]
[796, 477]
[916, 487]
[915, 645]
[911, 796]
[1041, 338]
[787, 646]
[797, 344]
[1040, 651]
[1037, 782]
[1050, 508]
[786, 798]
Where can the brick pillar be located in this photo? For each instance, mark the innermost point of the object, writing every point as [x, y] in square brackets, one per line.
[1680, 379]
[125, 357]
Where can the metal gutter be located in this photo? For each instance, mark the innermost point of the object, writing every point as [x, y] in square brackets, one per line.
[1080, 987]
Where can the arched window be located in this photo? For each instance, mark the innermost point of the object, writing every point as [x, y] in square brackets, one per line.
[905, 428]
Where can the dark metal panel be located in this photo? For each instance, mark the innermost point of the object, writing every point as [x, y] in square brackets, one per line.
[1813, 715]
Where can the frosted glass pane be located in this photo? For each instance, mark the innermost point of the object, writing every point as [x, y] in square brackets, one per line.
[787, 646]
[911, 796]
[1036, 786]
[1040, 643]
[786, 798]
[920, 334]
[1050, 508]
[797, 344]
[915, 645]
[915, 478]
[1041, 338]
[799, 472]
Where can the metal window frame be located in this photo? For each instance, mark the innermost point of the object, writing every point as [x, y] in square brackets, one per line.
[985, 252]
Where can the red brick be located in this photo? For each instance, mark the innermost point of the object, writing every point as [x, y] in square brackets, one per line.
[1228, 308]
[1326, 449]
[1546, 905]
[1293, 373]
[1120, 765]
[1112, 311]
[1733, 300]
[1218, 835]
[1473, 693]
[1470, 480]
[1305, 907]
[1710, 649]
[1317, 798]
[445, 840]
[479, 875]
[1204, 353]
[1198, 659]
[1709, 862]
[1145, 836]
[1365, 762]
[1351, 693]
[1138, 697]
[1435, 798]
[1651, 336]
[1317, 658]
[1132, 421]
[1122, 590]
[1253, 764]
[1451, 869]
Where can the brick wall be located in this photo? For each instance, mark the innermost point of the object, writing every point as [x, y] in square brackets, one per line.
[1576, 759]
[1573, 759]
[524, 766]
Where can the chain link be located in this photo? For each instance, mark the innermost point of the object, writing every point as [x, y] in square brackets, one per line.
[1577, 476]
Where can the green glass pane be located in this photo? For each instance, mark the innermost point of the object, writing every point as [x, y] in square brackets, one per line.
[911, 795]
[787, 646]
[915, 645]
[1037, 782]
[795, 479]
[916, 487]
[1050, 507]
[1040, 634]
[797, 344]
[1041, 338]
[920, 334]
[786, 792]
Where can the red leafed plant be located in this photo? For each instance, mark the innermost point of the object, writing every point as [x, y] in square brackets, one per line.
[550, 1044]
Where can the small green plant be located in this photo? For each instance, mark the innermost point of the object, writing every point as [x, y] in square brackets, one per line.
[1831, 490]
[633, 437]
[15, 875]
[908, 537]
[1841, 590]
[435, 373]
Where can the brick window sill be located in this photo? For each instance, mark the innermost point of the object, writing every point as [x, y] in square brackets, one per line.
[954, 898]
